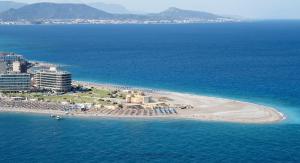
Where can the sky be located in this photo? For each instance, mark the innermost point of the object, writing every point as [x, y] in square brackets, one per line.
[255, 9]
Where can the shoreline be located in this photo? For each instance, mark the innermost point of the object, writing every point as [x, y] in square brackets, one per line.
[205, 108]
[102, 116]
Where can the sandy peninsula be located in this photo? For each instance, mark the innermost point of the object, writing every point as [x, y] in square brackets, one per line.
[199, 108]
[211, 108]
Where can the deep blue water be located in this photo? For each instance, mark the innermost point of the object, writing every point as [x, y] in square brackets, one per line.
[30, 138]
[257, 62]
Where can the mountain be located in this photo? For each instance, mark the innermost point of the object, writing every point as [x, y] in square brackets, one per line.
[54, 11]
[110, 8]
[6, 5]
[176, 13]
[67, 13]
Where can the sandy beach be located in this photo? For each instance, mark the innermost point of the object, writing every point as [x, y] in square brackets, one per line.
[203, 108]
[218, 109]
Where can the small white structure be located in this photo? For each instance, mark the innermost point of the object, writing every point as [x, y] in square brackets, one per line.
[127, 91]
[16, 66]
[53, 69]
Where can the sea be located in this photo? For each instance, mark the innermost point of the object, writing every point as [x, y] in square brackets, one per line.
[252, 61]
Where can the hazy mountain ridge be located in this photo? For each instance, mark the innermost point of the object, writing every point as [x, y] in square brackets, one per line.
[6, 5]
[68, 11]
[176, 13]
[54, 11]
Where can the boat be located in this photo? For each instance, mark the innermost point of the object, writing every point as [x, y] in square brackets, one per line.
[52, 116]
[58, 118]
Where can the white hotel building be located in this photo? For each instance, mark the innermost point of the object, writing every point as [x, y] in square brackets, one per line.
[53, 79]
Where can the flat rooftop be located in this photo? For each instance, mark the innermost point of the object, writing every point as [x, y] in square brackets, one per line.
[53, 72]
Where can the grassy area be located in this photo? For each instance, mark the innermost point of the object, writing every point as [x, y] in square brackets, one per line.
[94, 96]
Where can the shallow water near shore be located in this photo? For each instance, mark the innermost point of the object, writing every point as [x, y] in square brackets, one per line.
[255, 62]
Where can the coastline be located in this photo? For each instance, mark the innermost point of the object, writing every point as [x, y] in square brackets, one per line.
[204, 108]
[100, 116]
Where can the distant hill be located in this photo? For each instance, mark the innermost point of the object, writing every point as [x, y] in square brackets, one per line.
[46, 12]
[110, 8]
[176, 13]
[6, 5]
[54, 11]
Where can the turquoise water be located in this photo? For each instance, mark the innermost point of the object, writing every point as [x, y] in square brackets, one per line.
[257, 62]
